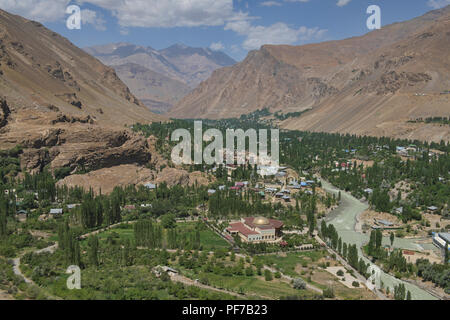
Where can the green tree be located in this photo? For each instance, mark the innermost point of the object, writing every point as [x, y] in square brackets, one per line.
[446, 256]
[168, 221]
[93, 250]
[3, 214]
[268, 275]
[400, 292]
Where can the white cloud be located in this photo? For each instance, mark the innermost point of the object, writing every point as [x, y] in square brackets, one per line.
[133, 13]
[278, 33]
[91, 17]
[437, 4]
[40, 10]
[167, 13]
[342, 3]
[271, 4]
[124, 31]
[217, 46]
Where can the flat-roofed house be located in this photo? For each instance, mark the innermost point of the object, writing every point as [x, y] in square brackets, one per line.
[432, 208]
[441, 240]
[56, 212]
[385, 223]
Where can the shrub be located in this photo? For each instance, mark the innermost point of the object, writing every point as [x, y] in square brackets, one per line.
[268, 275]
[328, 293]
[299, 284]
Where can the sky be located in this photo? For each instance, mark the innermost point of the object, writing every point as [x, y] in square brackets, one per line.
[232, 26]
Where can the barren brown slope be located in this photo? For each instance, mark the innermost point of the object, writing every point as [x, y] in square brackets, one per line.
[363, 85]
[158, 92]
[62, 105]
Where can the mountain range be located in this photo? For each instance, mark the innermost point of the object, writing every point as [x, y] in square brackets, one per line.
[374, 84]
[160, 78]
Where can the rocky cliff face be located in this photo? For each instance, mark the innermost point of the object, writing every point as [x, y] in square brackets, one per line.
[368, 85]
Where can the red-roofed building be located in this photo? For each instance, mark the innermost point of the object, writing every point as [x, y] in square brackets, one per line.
[256, 230]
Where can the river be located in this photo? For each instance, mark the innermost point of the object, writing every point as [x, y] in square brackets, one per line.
[344, 219]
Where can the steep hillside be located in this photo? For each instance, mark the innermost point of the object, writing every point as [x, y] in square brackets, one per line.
[62, 105]
[156, 91]
[369, 85]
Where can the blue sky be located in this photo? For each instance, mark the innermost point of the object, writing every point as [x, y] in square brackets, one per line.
[233, 26]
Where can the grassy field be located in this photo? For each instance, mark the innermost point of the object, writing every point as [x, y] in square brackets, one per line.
[209, 240]
[307, 266]
[287, 263]
[254, 286]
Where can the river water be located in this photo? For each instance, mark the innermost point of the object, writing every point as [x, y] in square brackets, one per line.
[344, 219]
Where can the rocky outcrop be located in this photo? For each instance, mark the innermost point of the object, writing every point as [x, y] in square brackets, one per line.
[85, 149]
[106, 179]
[64, 107]
[35, 160]
[391, 82]
[62, 118]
